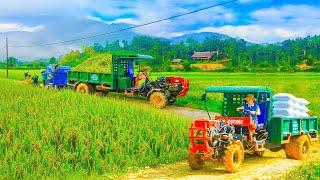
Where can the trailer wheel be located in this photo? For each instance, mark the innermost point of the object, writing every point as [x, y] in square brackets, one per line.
[158, 99]
[299, 148]
[289, 148]
[195, 161]
[84, 88]
[233, 158]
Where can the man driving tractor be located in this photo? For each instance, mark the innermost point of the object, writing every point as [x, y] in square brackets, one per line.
[251, 109]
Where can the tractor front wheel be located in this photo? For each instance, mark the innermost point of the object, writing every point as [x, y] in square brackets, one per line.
[158, 99]
[298, 148]
[233, 158]
[84, 88]
[195, 161]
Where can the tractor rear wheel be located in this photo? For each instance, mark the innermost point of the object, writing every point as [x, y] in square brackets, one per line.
[298, 148]
[195, 161]
[158, 99]
[84, 88]
[233, 158]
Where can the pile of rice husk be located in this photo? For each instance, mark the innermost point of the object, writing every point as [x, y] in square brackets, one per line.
[101, 63]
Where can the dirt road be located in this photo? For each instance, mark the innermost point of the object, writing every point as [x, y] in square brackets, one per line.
[189, 113]
[272, 166]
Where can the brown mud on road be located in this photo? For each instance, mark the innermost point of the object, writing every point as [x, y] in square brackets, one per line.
[272, 166]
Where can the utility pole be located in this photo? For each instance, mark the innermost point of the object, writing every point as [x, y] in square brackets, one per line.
[7, 52]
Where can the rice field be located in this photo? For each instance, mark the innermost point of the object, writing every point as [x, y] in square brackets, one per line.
[305, 85]
[57, 134]
[47, 133]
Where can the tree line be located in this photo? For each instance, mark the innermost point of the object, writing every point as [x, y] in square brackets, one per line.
[243, 56]
[284, 56]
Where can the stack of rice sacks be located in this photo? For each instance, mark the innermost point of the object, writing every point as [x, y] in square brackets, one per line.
[287, 105]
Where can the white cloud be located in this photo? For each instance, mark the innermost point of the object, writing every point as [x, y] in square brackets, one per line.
[7, 27]
[117, 21]
[257, 33]
[275, 24]
[147, 11]
[288, 14]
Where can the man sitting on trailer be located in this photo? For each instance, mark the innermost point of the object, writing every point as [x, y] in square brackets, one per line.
[251, 109]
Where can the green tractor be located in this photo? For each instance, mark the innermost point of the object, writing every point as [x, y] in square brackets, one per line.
[160, 92]
[226, 138]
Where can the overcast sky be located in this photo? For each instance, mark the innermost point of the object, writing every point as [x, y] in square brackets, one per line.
[257, 21]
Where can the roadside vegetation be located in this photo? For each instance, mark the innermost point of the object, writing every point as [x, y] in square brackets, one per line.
[310, 170]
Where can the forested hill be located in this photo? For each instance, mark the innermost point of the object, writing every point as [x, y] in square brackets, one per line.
[290, 55]
[284, 56]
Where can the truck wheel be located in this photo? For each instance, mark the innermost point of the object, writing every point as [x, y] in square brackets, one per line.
[195, 161]
[233, 158]
[299, 148]
[158, 100]
[84, 88]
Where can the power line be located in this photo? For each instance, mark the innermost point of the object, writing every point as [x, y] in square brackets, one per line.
[129, 28]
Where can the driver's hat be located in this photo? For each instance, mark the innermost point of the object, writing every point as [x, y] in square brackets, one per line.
[250, 96]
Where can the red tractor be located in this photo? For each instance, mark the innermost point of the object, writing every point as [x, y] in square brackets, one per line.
[228, 137]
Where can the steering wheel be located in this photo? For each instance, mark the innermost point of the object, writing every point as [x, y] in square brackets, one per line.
[243, 112]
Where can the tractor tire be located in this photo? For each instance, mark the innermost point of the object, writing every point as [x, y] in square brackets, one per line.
[238, 143]
[84, 88]
[158, 100]
[298, 148]
[195, 161]
[233, 158]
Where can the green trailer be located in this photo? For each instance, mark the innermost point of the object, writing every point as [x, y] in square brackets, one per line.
[227, 137]
[122, 79]
[118, 80]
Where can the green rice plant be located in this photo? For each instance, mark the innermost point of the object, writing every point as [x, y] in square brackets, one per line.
[48, 133]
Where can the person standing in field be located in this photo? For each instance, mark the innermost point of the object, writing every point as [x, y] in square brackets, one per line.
[251, 109]
[35, 79]
[44, 77]
[26, 75]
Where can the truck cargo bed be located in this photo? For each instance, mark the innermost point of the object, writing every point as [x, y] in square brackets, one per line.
[90, 77]
[280, 128]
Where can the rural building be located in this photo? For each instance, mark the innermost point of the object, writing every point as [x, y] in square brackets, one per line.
[204, 56]
[176, 61]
